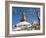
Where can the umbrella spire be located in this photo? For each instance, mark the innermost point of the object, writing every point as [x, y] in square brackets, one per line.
[23, 17]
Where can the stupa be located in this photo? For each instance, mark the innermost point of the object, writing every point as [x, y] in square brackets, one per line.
[23, 23]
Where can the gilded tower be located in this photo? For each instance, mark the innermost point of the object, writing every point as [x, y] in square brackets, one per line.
[23, 17]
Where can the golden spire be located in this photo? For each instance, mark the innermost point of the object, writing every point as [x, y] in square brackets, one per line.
[23, 17]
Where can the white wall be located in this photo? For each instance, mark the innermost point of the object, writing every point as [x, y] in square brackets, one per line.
[2, 18]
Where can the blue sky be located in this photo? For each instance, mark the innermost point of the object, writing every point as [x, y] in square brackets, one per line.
[30, 13]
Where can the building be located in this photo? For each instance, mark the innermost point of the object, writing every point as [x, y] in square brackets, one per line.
[36, 25]
[23, 25]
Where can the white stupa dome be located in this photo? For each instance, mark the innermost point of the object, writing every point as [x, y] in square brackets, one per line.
[23, 23]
